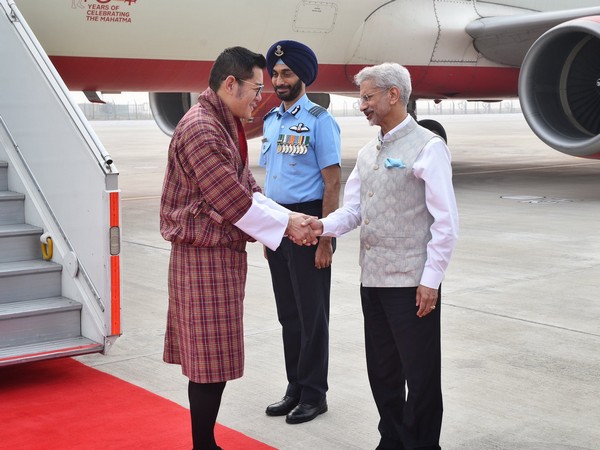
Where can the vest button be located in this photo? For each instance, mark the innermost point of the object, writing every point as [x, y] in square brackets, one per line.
[367, 221]
[367, 246]
[370, 194]
[375, 167]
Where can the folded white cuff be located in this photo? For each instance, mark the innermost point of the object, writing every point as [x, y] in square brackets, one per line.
[266, 221]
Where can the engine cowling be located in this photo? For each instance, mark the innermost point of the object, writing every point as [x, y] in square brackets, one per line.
[169, 107]
[559, 87]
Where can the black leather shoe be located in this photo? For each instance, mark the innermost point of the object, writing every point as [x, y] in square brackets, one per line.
[282, 407]
[305, 412]
[396, 447]
[389, 444]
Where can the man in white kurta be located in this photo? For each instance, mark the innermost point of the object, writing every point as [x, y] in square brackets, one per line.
[400, 193]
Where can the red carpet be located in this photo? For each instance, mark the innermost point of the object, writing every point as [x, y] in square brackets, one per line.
[63, 404]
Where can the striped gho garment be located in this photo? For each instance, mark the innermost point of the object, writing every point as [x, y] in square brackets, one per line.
[207, 188]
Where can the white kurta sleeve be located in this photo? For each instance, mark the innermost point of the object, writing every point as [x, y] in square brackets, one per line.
[266, 221]
[348, 217]
[433, 167]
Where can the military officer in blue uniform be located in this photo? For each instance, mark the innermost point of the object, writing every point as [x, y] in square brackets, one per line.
[301, 153]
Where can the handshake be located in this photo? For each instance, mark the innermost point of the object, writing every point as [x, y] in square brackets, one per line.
[303, 229]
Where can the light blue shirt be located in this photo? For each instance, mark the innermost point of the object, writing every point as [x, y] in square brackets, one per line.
[297, 145]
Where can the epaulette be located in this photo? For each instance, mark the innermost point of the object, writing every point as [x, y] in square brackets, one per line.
[317, 110]
[274, 109]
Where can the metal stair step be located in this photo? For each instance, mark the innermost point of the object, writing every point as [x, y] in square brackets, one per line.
[11, 207]
[40, 320]
[28, 280]
[19, 229]
[51, 349]
[19, 242]
[28, 267]
[3, 176]
[38, 306]
[6, 196]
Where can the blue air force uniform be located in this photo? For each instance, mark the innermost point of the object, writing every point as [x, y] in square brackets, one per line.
[297, 145]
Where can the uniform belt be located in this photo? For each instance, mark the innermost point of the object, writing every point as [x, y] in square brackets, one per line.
[310, 204]
[311, 207]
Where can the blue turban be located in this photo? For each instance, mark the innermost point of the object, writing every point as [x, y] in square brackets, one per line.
[298, 57]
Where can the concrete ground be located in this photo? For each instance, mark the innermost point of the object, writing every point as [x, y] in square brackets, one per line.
[520, 313]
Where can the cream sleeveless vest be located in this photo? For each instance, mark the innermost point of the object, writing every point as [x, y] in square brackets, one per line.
[395, 226]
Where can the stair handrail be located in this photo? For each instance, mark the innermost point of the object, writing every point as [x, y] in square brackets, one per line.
[32, 179]
[104, 159]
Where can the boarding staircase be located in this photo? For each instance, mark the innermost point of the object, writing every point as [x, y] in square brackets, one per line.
[59, 212]
[35, 319]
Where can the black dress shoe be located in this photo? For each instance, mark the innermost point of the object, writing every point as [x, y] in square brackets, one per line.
[396, 447]
[282, 407]
[389, 444]
[305, 412]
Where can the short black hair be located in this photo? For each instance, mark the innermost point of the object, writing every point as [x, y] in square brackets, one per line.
[237, 61]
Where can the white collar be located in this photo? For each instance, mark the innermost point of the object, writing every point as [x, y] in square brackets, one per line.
[397, 128]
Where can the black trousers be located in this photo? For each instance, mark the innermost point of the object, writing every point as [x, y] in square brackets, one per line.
[403, 351]
[302, 297]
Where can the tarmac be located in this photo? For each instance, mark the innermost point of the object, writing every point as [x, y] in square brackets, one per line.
[520, 312]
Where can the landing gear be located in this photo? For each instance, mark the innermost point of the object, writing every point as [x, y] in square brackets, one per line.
[431, 125]
[435, 127]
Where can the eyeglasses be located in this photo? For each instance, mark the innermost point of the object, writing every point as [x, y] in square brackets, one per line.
[259, 86]
[367, 97]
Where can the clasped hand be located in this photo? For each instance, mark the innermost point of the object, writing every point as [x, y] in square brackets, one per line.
[300, 229]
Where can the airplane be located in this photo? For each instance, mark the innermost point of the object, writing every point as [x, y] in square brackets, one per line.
[546, 52]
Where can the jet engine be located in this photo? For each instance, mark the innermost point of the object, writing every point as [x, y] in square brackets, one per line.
[169, 107]
[559, 87]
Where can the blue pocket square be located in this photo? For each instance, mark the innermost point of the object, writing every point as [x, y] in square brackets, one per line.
[392, 162]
